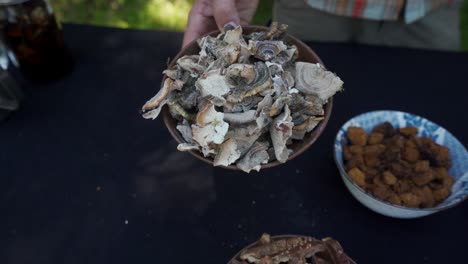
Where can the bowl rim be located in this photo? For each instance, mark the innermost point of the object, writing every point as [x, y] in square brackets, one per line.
[348, 178]
[328, 107]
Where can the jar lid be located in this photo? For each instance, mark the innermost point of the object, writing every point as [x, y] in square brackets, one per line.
[11, 2]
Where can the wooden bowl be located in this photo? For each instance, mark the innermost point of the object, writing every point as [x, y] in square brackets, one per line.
[305, 54]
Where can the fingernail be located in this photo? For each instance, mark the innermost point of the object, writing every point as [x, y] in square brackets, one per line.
[229, 26]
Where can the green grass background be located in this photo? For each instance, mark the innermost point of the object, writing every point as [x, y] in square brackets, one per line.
[163, 14]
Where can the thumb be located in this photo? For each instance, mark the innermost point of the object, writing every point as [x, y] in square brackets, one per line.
[225, 11]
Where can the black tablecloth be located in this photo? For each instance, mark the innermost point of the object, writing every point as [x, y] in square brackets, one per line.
[84, 179]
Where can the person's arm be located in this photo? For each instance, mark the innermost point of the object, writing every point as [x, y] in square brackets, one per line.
[207, 15]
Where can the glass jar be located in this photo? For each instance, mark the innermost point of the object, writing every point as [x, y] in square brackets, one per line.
[30, 30]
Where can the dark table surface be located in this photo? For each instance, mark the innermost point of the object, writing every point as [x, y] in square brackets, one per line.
[85, 179]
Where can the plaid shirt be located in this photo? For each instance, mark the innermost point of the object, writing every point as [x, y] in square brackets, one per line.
[379, 9]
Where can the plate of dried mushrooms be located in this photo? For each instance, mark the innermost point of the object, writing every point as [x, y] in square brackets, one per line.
[245, 98]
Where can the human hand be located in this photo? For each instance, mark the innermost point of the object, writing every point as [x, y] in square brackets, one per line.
[207, 15]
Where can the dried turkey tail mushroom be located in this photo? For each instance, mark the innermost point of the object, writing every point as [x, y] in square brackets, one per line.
[256, 156]
[240, 118]
[261, 82]
[244, 99]
[280, 132]
[233, 36]
[246, 104]
[172, 73]
[314, 79]
[209, 126]
[190, 64]
[299, 131]
[267, 49]
[276, 31]
[229, 54]
[152, 108]
[285, 56]
[293, 250]
[185, 130]
[228, 153]
[240, 73]
[187, 147]
[238, 143]
[246, 86]
[275, 68]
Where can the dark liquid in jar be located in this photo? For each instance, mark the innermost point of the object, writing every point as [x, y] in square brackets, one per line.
[37, 41]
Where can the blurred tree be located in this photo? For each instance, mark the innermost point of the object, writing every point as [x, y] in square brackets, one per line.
[144, 14]
[159, 14]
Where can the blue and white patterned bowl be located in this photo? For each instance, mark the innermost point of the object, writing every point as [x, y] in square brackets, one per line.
[458, 154]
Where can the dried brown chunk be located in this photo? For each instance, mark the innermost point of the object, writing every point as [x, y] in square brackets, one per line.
[441, 194]
[371, 160]
[357, 136]
[402, 186]
[427, 197]
[421, 166]
[385, 128]
[375, 138]
[411, 143]
[408, 131]
[401, 169]
[440, 173]
[389, 178]
[410, 154]
[356, 149]
[423, 178]
[382, 192]
[347, 155]
[410, 199]
[358, 176]
[370, 172]
[356, 161]
[437, 155]
[395, 199]
[374, 149]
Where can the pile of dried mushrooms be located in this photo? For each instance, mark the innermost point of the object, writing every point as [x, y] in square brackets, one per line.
[244, 98]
